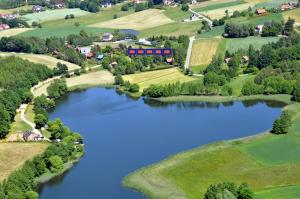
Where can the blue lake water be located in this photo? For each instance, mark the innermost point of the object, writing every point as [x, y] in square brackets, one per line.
[122, 134]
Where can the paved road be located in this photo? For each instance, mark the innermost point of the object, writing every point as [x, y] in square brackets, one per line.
[189, 52]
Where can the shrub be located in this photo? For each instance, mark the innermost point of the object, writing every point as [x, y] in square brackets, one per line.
[56, 164]
[134, 88]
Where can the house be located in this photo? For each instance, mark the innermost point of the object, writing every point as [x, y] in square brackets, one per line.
[194, 17]
[227, 60]
[144, 42]
[114, 64]
[194, 1]
[261, 11]
[100, 57]
[107, 36]
[9, 16]
[37, 8]
[169, 59]
[168, 2]
[136, 1]
[259, 28]
[245, 59]
[59, 5]
[87, 52]
[4, 26]
[106, 4]
[30, 136]
[287, 6]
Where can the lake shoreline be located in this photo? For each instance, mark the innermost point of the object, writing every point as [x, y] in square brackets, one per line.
[142, 179]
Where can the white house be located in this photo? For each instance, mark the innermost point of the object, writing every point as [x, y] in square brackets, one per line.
[107, 36]
[106, 4]
[144, 42]
[168, 2]
[194, 17]
[259, 28]
[193, 1]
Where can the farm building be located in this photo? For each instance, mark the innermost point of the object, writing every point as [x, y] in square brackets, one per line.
[114, 64]
[100, 57]
[245, 59]
[194, 17]
[227, 60]
[193, 1]
[107, 36]
[168, 2]
[259, 28]
[136, 1]
[106, 4]
[37, 8]
[87, 52]
[4, 27]
[287, 6]
[144, 42]
[261, 11]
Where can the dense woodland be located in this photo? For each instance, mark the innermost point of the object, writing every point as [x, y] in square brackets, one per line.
[17, 76]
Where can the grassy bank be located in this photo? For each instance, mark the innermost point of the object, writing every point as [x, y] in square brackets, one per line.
[269, 164]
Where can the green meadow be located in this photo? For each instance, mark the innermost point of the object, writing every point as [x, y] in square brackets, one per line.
[220, 5]
[264, 161]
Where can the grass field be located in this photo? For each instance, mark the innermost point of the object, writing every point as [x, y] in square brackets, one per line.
[264, 161]
[176, 14]
[42, 59]
[172, 29]
[273, 3]
[137, 21]
[49, 15]
[161, 77]
[233, 45]
[14, 155]
[295, 14]
[84, 80]
[203, 51]
[14, 31]
[220, 5]
[18, 126]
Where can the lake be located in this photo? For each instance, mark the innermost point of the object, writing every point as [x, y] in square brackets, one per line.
[123, 134]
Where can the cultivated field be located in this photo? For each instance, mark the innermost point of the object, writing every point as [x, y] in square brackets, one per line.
[161, 77]
[49, 15]
[14, 155]
[295, 14]
[13, 10]
[203, 51]
[13, 31]
[84, 80]
[273, 3]
[42, 59]
[138, 21]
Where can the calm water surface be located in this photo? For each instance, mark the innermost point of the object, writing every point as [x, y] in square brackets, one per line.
[122, 135]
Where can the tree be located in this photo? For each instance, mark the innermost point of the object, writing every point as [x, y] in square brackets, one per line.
[40, 120]
[185, 7]
[289, 26]
[215, 65]
[282, 124]
[57, 88]
[296, 92]
[56, 164]
[244, 192]
[134, 88]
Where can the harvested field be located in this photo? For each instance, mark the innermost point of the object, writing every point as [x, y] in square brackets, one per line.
[14, 155]
[138, 21]
[203, 51]
[162, 77]
[295, 14]
[13, 31]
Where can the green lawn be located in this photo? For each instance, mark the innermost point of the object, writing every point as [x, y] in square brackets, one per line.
[288, 192]
[176, 14]
[234, 45]
[220, 5]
